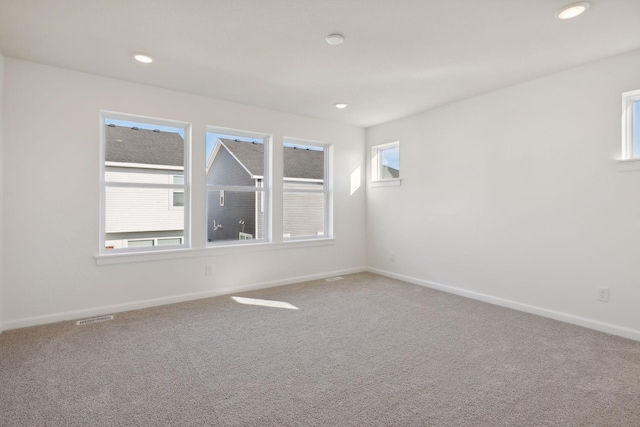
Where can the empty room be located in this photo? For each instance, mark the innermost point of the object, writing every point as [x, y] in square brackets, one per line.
[319, 213]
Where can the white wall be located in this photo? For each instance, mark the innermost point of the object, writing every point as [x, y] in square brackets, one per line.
[515, 197]
[1, 192]
[51, 160]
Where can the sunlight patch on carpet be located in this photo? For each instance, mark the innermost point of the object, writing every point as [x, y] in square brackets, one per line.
[264, 303]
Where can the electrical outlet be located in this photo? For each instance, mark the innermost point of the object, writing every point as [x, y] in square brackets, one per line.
[208, 271]
[602, 293]
[393, 256]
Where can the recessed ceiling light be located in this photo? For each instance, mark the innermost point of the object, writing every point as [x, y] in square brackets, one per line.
[334, 39]
[141, 57]
[572, 10]
[341, 105]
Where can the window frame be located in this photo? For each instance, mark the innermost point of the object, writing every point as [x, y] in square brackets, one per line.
[629, 123]
[265, 189]
[123, 255]
[376, 165]
[327, 190]
[186, 186]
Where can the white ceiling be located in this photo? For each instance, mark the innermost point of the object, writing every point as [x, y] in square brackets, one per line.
[400, 56]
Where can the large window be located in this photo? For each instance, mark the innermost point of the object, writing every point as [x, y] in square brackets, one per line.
[237, 186]
[145, 183]
[631, 125]
[385, 163]
[146, 188]
[306, 210]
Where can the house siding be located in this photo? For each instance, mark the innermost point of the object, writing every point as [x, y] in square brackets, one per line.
[303, 213]
[153, 157]
[226, 170]
[238, 206]
[131, 210]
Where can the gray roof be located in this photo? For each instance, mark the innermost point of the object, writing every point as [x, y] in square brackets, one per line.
[298, 163]
[133, 145]
[395, 173]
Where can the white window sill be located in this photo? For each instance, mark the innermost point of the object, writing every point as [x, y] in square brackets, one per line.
[160, 255]
[625, 165]
[386, 182]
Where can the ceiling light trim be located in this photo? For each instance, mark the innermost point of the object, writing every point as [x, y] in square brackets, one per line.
[143, 58]
[572, 10]
[334, 39]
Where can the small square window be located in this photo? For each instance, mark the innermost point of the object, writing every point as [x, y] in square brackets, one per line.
[389, 163]
[178, 199]
[631, 125]
[177, 196]
[385, 163]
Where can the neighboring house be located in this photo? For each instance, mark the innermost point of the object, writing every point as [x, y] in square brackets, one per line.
[389, 172]
[233, 215]
[137, 217]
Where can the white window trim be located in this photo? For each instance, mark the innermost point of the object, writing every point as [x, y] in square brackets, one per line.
[628, 101]
[265, 189]
[392, 182]
[142, 165]
[105, 115]
[327, 189]
[186, 251]
[376, 164]
[233, 247]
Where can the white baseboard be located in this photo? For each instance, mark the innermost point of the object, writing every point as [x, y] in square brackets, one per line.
[552, 314]
[118, 308]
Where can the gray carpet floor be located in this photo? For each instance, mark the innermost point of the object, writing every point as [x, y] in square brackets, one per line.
[364, 351]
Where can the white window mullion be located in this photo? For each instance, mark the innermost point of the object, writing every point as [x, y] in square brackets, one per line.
[144, 185]
[235, 188]
[306, 190]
